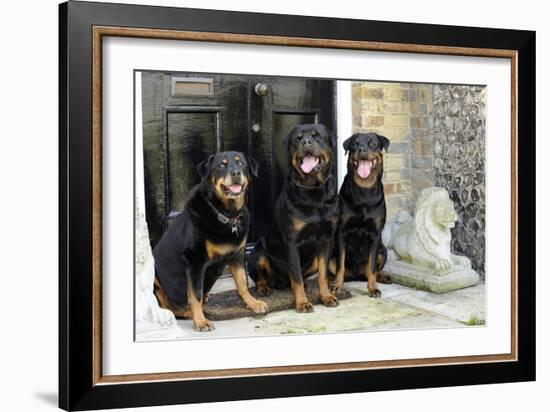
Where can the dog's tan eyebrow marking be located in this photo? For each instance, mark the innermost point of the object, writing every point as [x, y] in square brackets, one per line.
[224, 161]
[237, 158]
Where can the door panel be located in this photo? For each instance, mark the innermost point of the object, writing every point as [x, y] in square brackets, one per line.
[191, 138]
[188, 116]
[287, 103]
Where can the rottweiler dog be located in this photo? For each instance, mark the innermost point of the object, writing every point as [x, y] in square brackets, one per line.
[359, 252]
[300, 234]
[207, 236]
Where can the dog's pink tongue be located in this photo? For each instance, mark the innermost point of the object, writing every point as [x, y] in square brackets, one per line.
[363, 169]
[308, 163]
[235, 188]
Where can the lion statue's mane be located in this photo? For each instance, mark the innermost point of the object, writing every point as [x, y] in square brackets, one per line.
[425, 240]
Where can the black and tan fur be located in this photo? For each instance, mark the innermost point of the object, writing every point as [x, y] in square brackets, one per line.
[300, 235]
[194, 251]
[359, 252]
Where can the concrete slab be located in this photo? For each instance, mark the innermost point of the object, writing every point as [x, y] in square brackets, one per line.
[358, 313]
[423, 320]
[464, 305]
[388, 291]
[399, 308]
[243, 327]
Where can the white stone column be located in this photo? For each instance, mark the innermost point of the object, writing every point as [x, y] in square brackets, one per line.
[152, 322]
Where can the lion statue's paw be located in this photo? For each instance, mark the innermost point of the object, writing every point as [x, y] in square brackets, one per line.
[162, 317]
[442, 266]
[461, 261]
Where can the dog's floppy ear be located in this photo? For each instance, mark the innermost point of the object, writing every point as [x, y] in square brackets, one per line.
[348, 142]
[385, 141]
[253, 165]
[203, 168]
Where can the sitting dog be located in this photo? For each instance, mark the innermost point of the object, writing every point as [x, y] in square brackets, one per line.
[300, 235]
[359, 251]
[207, 236]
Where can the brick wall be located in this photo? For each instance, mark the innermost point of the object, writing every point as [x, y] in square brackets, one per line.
[403, 113]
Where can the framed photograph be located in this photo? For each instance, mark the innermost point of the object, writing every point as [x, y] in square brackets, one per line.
[256, 205]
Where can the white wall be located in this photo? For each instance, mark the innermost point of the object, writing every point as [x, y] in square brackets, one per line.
[28, 162]
[344, 123]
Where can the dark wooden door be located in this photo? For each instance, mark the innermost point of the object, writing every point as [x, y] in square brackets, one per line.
[188, 116]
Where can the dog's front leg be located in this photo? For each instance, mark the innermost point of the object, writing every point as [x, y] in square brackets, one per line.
[338, 283]
[371, 267]
[381, 259]
[241, 281]
[327, 298]
[296, 280]
[195, 292]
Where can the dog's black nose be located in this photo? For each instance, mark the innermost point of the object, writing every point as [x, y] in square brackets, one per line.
[363, 149]
[307, 141]
[236, 173]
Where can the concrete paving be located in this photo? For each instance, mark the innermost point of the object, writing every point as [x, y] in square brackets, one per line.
[399, 308]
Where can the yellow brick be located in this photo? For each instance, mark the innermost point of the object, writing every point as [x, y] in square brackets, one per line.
[356, 94]
[392, 176]
[372, 121]
[405, 187]
[394, 86]
[393, 94]
[397, 188]
[399, 120]
[370, 106]
[372, 85]
[370, 92]
[395, 134]
[393, 107]
[394, 162]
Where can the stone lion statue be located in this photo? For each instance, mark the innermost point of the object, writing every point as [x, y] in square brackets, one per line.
[425, 240]
[147, 308]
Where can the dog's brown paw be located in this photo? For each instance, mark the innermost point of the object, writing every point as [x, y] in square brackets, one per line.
[203, 325]
[304, 307]
[336, 288]
[258, 306]
[375, 293]
[330, 301]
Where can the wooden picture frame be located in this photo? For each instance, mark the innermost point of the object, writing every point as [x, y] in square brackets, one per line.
[81, 30]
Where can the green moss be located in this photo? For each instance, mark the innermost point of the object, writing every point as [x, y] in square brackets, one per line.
[474, 321]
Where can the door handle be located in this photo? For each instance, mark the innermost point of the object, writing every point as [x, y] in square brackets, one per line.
[256, 127]
[261, 89]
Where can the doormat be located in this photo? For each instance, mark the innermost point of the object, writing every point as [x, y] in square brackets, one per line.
[228, 305]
